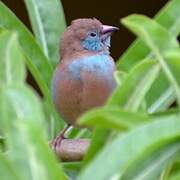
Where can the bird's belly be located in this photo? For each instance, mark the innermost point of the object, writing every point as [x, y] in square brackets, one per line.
[96, 90]
[86, 84]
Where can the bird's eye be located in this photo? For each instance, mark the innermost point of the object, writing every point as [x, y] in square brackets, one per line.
[93, 34]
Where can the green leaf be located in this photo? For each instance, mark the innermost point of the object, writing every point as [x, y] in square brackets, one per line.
[130, 94]
[166, 172]
[72, 169]
[29, 151]
[2, 145]
[98, 140]
[41, 162]
[157, 39]
[53, 120]
[101, 136]
[11, 72]
[112, 118]
[173, 61]
[35, 59]
[24, 102]
[48, 22]
[153, 34]
[117, 156]
[161, 88]
[7, 171]
[174, 173]
[76, 133]
[18, 101]
[151, 164]
[25, 130]
[175, 176]
[22, 119]
[161, 94]
[38, 64]
[168, 17]
[169, 113]
[119, 76]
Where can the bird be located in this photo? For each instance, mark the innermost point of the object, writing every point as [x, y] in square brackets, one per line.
[84, 77]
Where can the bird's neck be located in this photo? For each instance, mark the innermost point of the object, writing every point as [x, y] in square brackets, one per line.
[78, 55]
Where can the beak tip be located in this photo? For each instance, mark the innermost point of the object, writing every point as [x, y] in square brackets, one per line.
[107, 29]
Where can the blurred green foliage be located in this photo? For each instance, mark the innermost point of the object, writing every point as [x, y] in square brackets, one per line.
[137, 134]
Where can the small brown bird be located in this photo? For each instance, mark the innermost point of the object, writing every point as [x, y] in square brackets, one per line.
[84, 77]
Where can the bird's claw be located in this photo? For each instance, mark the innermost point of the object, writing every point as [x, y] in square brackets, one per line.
[56, 143]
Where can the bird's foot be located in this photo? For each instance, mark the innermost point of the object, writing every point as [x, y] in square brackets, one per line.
[56, 143]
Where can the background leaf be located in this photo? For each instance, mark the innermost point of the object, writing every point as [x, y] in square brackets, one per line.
[48, 22]
[132, 91]
[10, 72]
[158, 40]
[161, 94]
[168, 17]
[38, 64]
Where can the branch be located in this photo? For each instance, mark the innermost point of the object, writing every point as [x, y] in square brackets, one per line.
[72, 149]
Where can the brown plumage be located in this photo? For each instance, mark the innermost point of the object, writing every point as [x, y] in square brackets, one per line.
[84, 78]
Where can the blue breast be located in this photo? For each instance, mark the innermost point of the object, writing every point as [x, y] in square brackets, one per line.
[100, 65]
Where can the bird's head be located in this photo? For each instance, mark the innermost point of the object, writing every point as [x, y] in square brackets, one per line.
[86, 35]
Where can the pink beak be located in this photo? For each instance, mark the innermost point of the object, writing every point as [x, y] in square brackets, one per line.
[109, 29]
